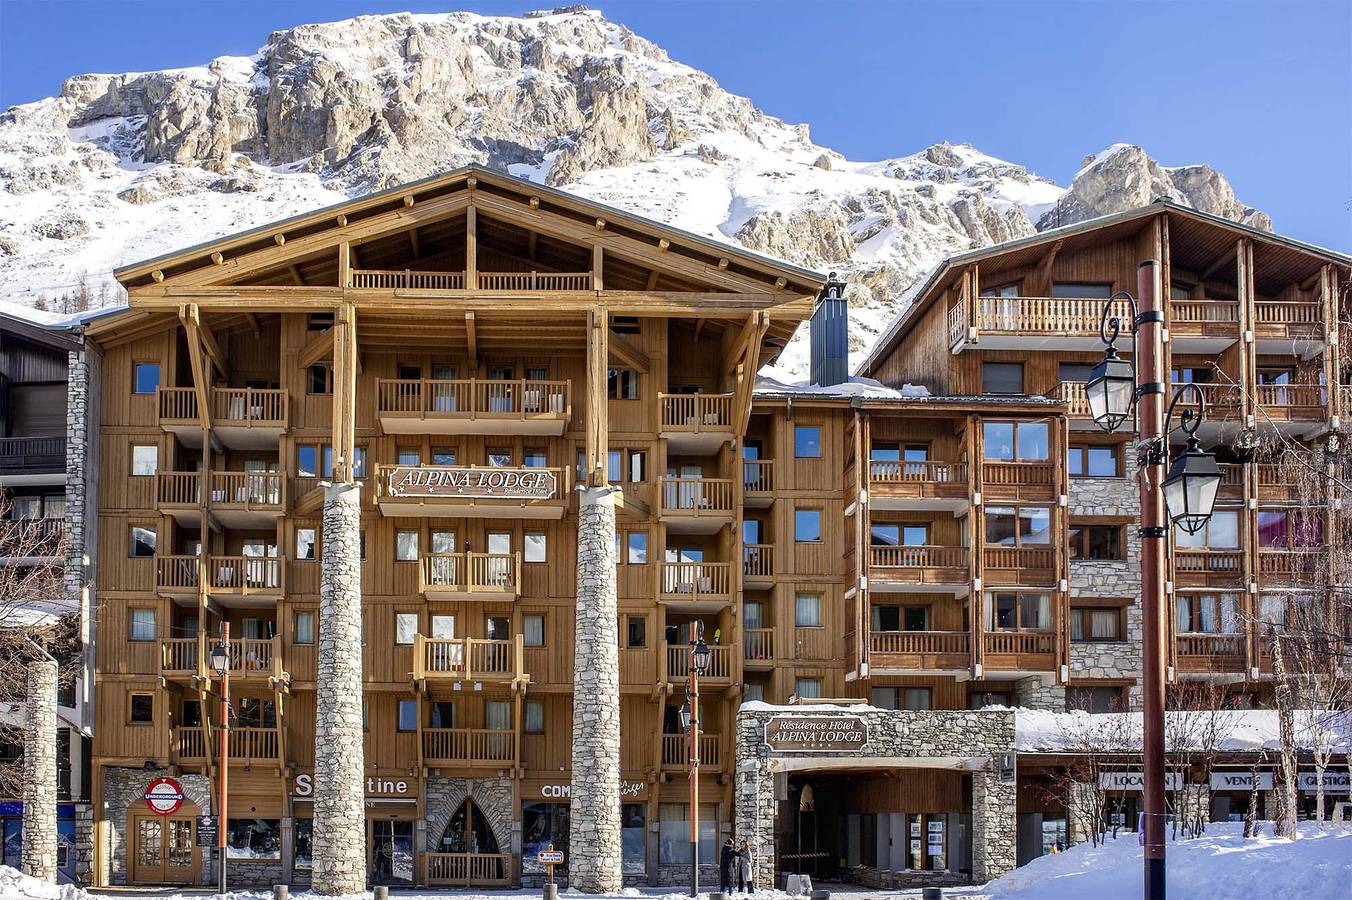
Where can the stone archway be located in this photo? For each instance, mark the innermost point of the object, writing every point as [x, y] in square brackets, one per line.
[492, 796]
[802, 738]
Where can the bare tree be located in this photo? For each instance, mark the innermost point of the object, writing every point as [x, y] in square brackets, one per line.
[1196, 729]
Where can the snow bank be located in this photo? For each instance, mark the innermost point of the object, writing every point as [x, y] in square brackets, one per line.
[14, 885]
[857, 386]
[1249, 729]
[1220, 865]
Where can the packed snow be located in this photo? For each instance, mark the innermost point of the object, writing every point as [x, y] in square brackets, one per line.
[1233, 730]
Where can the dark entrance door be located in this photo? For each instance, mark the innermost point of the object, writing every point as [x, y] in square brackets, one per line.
[391, 851]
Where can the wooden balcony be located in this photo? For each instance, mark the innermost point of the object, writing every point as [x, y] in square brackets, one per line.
[1210, 653]
[495, 748]
[1072, 394]
[1033, 323]
[474, 492]
[917, 485]
[1012, 565]
[32, 460]
[696, 505]
[1008, 480]
[473, 406]
[1232, 482]
[182, 659]
[241, 418]
[1020, 651]
[720, 663]
[30, 542]
[676, 752]
[535, 281]
[248, 746]
[490, 577]
[238, 499]
[758, 565]
[922, 569]
[1276, 320]
[237, 577]
[465, 869]
[1201, 567]
[1275, 484]
[1224, 402]
[1203, 326]
[697, 586]
[696, 423]
[447, 660]
[1297, 565]
[1292, 402]
[758, 648]
[913, 651]
[758, 482]
[407, 279]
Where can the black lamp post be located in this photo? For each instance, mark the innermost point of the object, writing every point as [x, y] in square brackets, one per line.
[698, 664]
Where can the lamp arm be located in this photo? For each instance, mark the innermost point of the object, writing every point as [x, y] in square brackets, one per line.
[1108, 320]
[1187, 420]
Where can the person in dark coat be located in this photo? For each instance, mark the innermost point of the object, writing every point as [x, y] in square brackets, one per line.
[727, 864]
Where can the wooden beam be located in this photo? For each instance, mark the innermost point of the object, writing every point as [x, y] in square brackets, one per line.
[597, 425]
[413, 242]
[190, 316]
[345, 264]
[472, 338]
[760, 323]
[344, 391]
[295, 275]
[213, 350]
[532, 241]
[253, 323]
[1044, 266]
[1228, 256]
[651, 284]
[744, 338]
[316, 349]
[699, 327]
[472, 248]
[627, 354]
[598, 276]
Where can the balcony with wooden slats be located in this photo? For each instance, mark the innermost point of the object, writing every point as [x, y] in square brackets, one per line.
[241, 418]
[1008, 564]
[676, 752]
[32, 460]
[758, 482]
[919, 569]
[488, 577]
[483, 747]
[456, 660]
[1224, 402]
[1203, 326]
[1276, 484]
[1291, 402]
[1019, 651]
[928, 484]
[695, 586]
[473, 406]
[1030, 323]
[1232, 482]
[237, 499]
[32, 542]
[474, 492]
[758, 648]
[235, 580]
[407, 280]
[1210, 654]
[1297, 566]
[1018, 481]
[720, 664]
[920, 651]
[251, 659]
[1285, 321]
[696, 505]
[696, 424]
[1205, 567]
[466, 869]
[247, 746]
[1072, 393]
[758, 565]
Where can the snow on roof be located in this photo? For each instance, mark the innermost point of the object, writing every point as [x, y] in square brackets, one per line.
[857, 386]
[1042, 731]
[41, 317]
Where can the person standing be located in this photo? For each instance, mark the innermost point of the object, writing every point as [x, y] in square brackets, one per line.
[745, 878]
[727, 863]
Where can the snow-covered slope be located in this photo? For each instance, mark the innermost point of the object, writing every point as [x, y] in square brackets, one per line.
[121, 167]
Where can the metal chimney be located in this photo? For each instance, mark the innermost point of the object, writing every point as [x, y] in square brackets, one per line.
[829, 335]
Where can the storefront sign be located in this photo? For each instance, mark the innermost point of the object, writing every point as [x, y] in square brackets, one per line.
[208, 830]
[462, 481]
[303, 788]
[629, 790]
[1240, 781]
[164, 796]
[816, 734]
[1335, 782]
[1135, 781]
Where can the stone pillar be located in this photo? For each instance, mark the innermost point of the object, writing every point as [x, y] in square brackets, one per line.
[994, 826]
[39, 773]
[594, 820]
[339, 832]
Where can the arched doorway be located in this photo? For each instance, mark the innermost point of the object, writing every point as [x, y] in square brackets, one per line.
[468, 831]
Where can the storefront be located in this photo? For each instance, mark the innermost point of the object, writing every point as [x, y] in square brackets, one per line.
[1233, 790]
[11, 827]
[544, 822]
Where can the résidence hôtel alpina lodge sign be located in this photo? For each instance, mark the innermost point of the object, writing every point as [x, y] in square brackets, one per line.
[816, 734]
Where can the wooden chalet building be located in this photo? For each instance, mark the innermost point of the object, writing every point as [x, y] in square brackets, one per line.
[471, 348]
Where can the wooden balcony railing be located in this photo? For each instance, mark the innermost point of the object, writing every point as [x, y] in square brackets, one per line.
[535, 281]
[1072, 316]
[758, 644]
[758, 561]
[246, 745]
[1201, 561]
[1020, 642]
[467, 659]
[695, 496]
[918, 563]
[1232, 481]
[253, 490]
[473, 398]
[408, 279]
[1025, 558]
[468, 746]
[466, 869]
[918, 472]
[1300, 315]
[676, 751]
[24, 455]
[1296, 563]
[32, 538]
[248, 656]
[758, 476]
[176, 404]
[1221, 399]
[189, 742]
[696, 580]
[1204, 312]
[696, 412]
[957, 324]
[248, 406]
[178, 488]
[921, 642]
[181, 656]
[1072, 394]
[1013, 479]
[471, 573]
[225, 574]
[1312, 397]
[678, 661]
[1226, 646]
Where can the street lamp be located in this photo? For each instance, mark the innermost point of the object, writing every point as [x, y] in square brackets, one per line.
[1194, 478]
[220, 664]
[1111, 388]
[697, 666]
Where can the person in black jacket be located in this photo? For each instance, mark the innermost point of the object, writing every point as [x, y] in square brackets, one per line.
[727, 861]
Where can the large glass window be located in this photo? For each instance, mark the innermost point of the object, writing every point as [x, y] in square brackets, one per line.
[1206, 613]
[543, 824]
[1220, 533]
[304, 842]
[1021, 441]
[254, 839]
[1018, 526]
[1015, 610]
[674, 833]
[1094, 461]
[633, 834]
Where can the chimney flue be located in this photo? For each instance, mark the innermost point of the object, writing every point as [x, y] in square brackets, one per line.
[829, 335]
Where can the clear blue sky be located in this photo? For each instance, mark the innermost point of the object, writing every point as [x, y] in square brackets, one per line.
[1262, 91]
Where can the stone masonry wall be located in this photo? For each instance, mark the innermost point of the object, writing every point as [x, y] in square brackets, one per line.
[39, 773]
[594, 818]
[339, 850]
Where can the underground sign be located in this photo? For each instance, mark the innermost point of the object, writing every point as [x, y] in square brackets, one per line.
[164, 796]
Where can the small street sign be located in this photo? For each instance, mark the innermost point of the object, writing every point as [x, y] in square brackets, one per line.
[549, 858]
[207, 831]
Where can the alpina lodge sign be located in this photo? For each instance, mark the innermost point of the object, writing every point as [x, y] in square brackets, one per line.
[465, 481]
[816, 734]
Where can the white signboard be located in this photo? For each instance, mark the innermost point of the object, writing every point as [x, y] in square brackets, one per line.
[1335, 782]
[1135, 781]
[1240, 781]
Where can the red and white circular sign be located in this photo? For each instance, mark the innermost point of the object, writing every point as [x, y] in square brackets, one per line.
[164, 796]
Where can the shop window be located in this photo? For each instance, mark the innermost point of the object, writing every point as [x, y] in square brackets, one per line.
[674, 834]
[533, 630]
[303, 830]
[1102, 542]
[535, 717]
[141, 709]
[1015, 441]
[1094, 461]
[633, 835]
[1002, 378]
[807, 525]
[807, 611]
[1094, 698]
[145, 459]
[254, 839]
[468, 831]
[142, 624]
[542, 825]
[807, 441]
[1096, 623]
[143, 541]
[145, 378]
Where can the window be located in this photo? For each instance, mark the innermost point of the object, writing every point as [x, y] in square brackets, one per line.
[917, 698]
[534, 459]
[408, 715]
[807, 688]
[673, 835]
[1018, 525]
[253, 839]
[631, 548]
[358, 462]
[405, 627]
[1221, 532]
[753, 691]
[1075, 372]
[1096, 623]
[638, 465]
[911, 698]
[1081, 290]
[1289, 529]
[305, 543]
[1003, 290]
[1207, 613]
[143, 541]
[192, 713]
[1096, 542]
[807, 525]
[321, 379]
[314, 460]
[535, 547]
[533, 630]
[807, 441]
[626, 465]
[499, 458]
[1015, 611]
[622, 384]
[498, 715]
[145, 459]
[982, 699]
[443, 456]
[145, 378]
[1002, 378]
[1094, 698]
[304, 842]
[635, 632]
[142, 624]
[406, 546]
[535, 717]
[413, 371]
[408, 456]
[1021, 441]
[807, 611]
[885, 535]
[1094, 461]
[305, 628]
[142, 709]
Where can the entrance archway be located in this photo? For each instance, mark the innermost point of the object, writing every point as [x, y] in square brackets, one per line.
[163, 849]
[468, 831]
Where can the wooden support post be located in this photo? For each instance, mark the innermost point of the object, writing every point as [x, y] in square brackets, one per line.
[598, 280]
[597, 407]
[344, 391]
[472, 248]
[345, 264]
[472, 339]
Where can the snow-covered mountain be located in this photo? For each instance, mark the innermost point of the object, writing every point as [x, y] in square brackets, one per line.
[118, 168]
